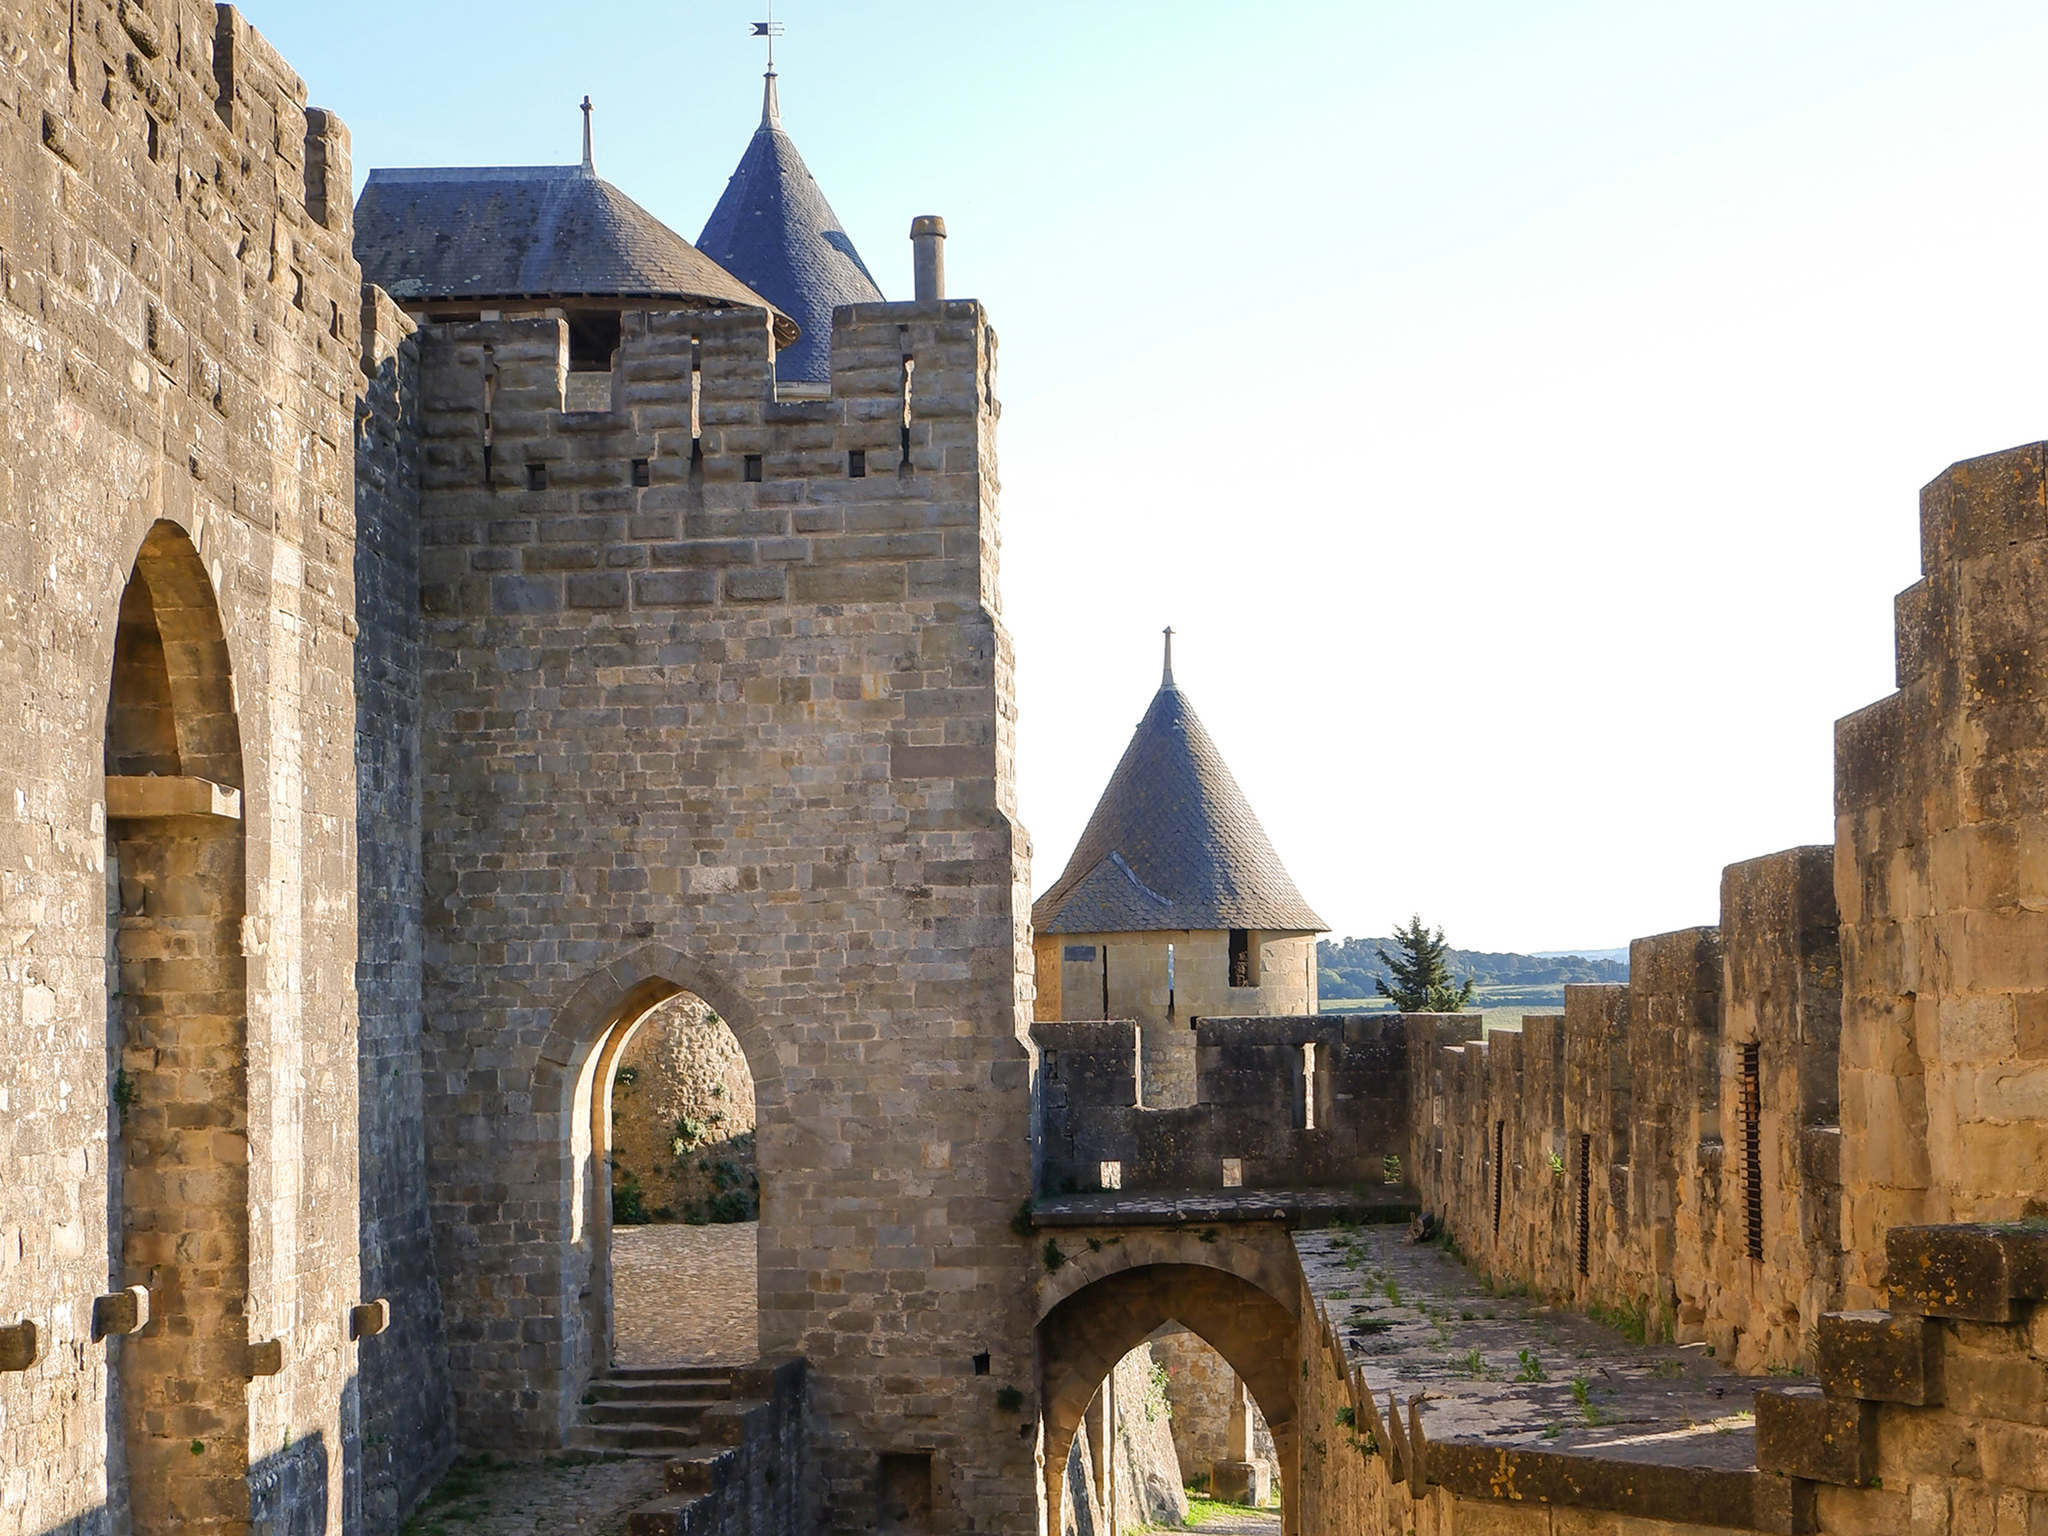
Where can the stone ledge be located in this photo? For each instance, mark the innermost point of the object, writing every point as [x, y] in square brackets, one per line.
[139, 797]
[1973, 1272]
[1801, 1433]
[1880, 1357]
[1690, 1496]
[1295, 1207]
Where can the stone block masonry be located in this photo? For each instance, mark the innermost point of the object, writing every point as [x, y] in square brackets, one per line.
[179, 363]
[1280, 1103]
[1665, 1150]
[408, 1428]
[707, 708]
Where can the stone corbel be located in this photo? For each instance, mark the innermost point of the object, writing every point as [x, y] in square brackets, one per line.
[369, 1319]
[120, 1313]
[144, 797]
[264, 1359]
[21, 1345]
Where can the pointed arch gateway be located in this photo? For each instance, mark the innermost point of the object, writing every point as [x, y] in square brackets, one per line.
[177, 1050]
[1084, 1334]
[579, 1059]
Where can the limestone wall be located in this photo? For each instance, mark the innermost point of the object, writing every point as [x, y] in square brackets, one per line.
[1939, 802]
[408, 1429]
[1280, 1103]
[711, 706]
[1618, 1157]
[1165, 994]
[179, 317]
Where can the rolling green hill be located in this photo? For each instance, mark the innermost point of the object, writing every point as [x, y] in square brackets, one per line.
[1506, 982]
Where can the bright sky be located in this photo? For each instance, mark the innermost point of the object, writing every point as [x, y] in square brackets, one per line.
[1518, 411]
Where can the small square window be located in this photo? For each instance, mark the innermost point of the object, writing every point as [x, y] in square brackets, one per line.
[1233, 1173]
[750, 468]
[981, 1365]
[643, 474]
[1113, 1175]
[857, 464]
[536, 477]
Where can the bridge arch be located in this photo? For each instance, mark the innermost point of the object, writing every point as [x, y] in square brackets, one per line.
[1096, 1322]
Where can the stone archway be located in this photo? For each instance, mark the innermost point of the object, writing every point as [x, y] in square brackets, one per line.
[1093, 1325]
[579, 1059]
[177, 1047]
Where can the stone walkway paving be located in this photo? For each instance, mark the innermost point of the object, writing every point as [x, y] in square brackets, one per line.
[683, 1293]
[1508, 1371]
[483, 1496]
[1252, 1522]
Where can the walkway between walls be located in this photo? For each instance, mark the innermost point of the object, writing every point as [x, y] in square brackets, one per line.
[683, 1293]
[1518, 1402]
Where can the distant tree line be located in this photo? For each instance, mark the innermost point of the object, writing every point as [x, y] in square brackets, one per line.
[1352, 968]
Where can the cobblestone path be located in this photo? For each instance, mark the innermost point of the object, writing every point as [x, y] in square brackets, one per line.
[684, 1293]
[482, 1496]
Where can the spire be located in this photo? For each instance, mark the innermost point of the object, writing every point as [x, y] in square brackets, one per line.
[771, 109]
[588, 164]
[1166, 676]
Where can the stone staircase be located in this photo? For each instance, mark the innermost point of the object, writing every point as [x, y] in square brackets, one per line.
[652, 1410]
[731, 1438]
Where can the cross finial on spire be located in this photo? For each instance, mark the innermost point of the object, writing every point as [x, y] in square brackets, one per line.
[1166, 675]
[587, 162]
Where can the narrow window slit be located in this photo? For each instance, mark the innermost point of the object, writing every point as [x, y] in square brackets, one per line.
[909, 374]
[536, 477]
[857, 464]
[643, 473]
[490, 398]
[751, 468]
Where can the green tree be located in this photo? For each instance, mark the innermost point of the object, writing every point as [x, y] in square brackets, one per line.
[1422, 972]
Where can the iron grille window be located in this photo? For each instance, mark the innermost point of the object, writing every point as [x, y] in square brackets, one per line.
[1752, 1148]
[1585, 1203]
[1500, 1144]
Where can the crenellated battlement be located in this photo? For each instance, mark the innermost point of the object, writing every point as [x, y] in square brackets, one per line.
[1300, 1102]
[697, 486]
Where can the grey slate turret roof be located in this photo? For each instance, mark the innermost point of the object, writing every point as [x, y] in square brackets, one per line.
[531, 232]
[1173, 844]
[774, 231]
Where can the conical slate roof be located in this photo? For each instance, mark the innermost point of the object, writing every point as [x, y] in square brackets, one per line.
[531, 231]
[774, 231]
[1173, 844]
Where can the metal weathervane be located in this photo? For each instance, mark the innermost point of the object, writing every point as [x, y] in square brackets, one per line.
[770, 29]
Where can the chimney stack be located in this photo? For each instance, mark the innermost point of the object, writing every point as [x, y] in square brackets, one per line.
[928, 243]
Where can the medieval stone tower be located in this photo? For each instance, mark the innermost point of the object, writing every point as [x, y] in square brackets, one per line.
[1174, 904]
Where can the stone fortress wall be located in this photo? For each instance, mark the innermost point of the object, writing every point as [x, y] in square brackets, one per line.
[1280, 1103]
[180, 334]
[716, 699]
[1667, 1149]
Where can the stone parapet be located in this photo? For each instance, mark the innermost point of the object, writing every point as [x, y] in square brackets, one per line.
[1302, 1102]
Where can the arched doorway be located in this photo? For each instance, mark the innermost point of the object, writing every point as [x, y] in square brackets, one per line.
[177, 1044]
[1083, 1336]
[684, 1191]
[589, 1039]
